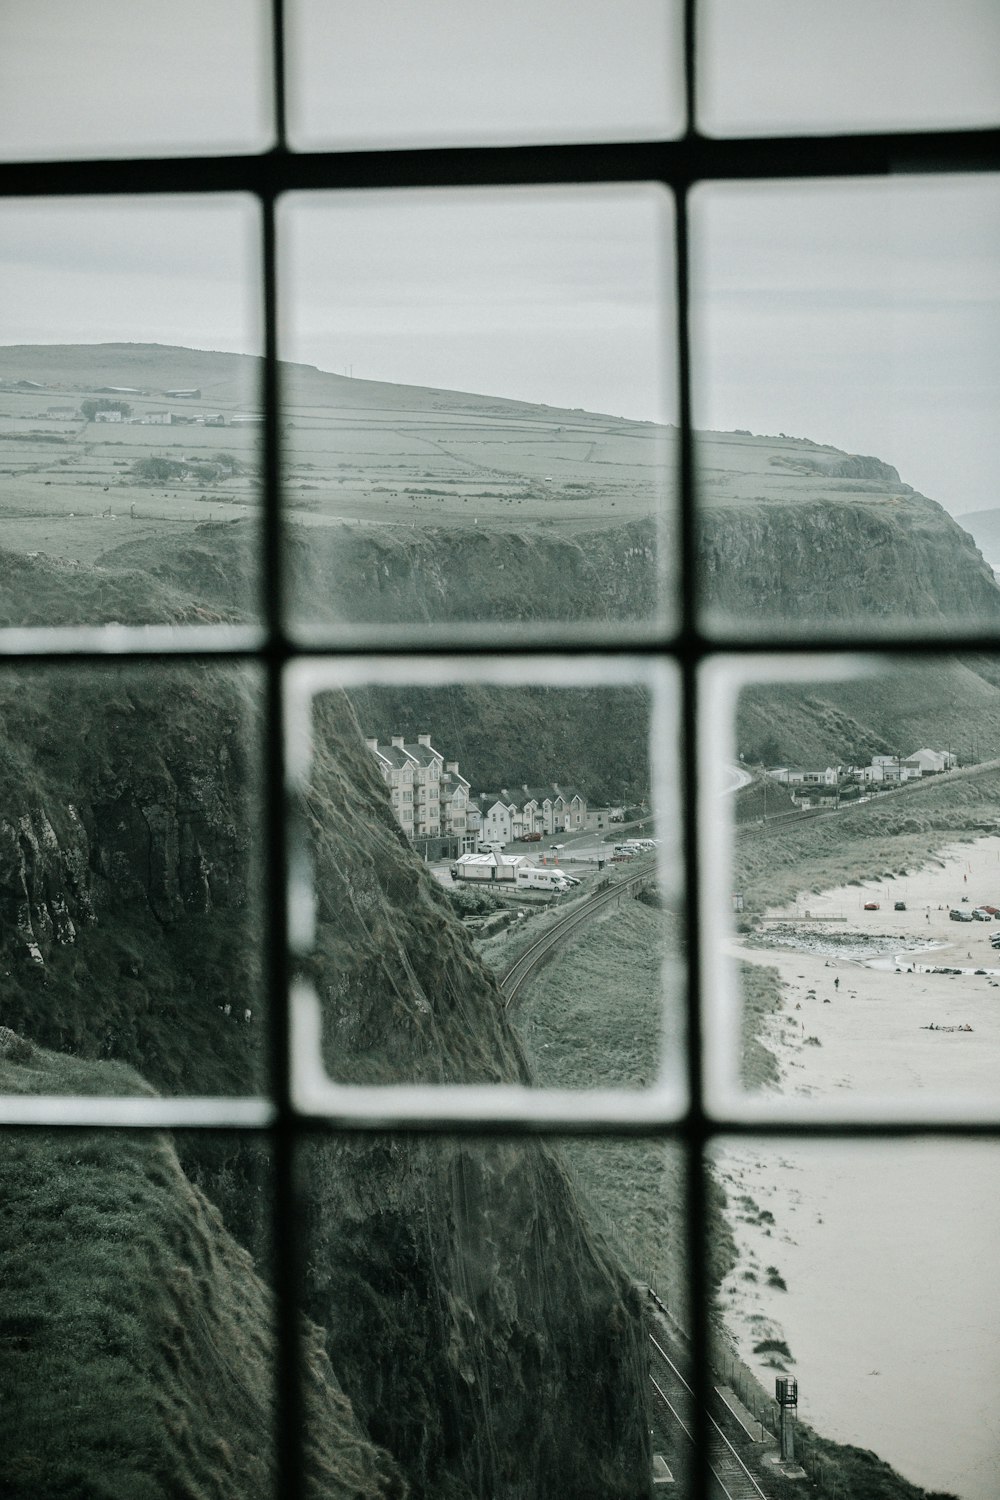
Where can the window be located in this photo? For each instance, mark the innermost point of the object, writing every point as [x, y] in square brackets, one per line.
[675, 644]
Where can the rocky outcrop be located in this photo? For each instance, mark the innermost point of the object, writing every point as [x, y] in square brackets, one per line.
[900, 559]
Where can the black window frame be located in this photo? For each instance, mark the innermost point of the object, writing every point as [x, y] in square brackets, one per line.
[679, 165]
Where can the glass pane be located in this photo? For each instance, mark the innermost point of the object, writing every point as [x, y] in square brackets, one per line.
[129, 872]
[410, 499]
[866, 880]
[846, 65]
[848, 343]
[129, 443]
[509, 873]
[137, 1334]
[867, 1272]
[143, 79]
[484, 1317]
[445, 72]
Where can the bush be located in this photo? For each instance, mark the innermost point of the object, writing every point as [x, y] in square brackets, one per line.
[473, 903]
[93, 405]
[157, 470]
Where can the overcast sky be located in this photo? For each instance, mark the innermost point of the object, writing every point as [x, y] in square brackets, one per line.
[865, 315]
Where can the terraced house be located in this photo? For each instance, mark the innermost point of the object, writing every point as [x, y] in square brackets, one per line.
[510, 815]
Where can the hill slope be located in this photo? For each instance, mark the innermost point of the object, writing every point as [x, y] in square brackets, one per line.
[463, 1301]
[136, 1351]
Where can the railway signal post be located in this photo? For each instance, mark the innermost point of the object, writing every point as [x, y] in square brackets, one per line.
[786, 1393]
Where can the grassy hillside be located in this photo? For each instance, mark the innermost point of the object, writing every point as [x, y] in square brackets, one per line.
[136, 1349]
[891, 834]
[129, 925]
[940, 702]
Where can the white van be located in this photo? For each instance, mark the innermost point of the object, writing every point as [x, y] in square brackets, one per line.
[542, 880]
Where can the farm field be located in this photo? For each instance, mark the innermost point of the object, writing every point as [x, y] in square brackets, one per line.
[356, 451]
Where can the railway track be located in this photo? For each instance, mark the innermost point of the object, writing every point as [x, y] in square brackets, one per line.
[520, 971]
[730, 1477]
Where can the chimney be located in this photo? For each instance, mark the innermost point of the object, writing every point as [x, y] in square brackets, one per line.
[371, 741]
[451, 766]
[524, 786]
[424, 739]
[398, 741]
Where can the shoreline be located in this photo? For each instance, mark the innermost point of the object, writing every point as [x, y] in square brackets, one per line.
[890, 1303]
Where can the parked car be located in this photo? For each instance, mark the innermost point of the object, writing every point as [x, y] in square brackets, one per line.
[980, 914]
[557, 846]
[957, 915]
[871, 906]
[994, 911]
[531, 838]
[899, 906]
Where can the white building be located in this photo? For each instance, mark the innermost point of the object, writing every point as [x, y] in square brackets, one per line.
[796, 776]
[510, 815]
[430, 798]
[931, 762]
[890, 769]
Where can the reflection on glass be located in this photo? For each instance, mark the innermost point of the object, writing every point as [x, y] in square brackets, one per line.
[411, 500]
[138, 1341]
[847, 341]
[780, 66]
[866, 881]
[445, 72]
[98, 79]
[485, 1318]
[129, 902]
[851, 1261]
[129, 460]
[407, 840]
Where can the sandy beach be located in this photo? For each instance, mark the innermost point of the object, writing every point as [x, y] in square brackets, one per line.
[889, 1252]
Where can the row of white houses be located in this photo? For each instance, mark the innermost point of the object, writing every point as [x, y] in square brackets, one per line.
[431, 799]
[886, 768]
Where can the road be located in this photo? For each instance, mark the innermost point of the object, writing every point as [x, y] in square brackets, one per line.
[736, 777]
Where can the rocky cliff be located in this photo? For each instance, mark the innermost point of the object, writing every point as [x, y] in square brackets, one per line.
[484, 1339]
[136, 1336]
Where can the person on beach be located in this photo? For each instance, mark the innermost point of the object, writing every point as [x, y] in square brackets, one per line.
[836, 983]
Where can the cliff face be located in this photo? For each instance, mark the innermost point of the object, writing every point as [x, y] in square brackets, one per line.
[482, 1336]
[858, 551]
[501, 1320]
[895, 559]
[137, 1337]
[127, 871]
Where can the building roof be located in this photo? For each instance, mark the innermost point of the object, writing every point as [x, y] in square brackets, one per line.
[394, 756]
[424, 755]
